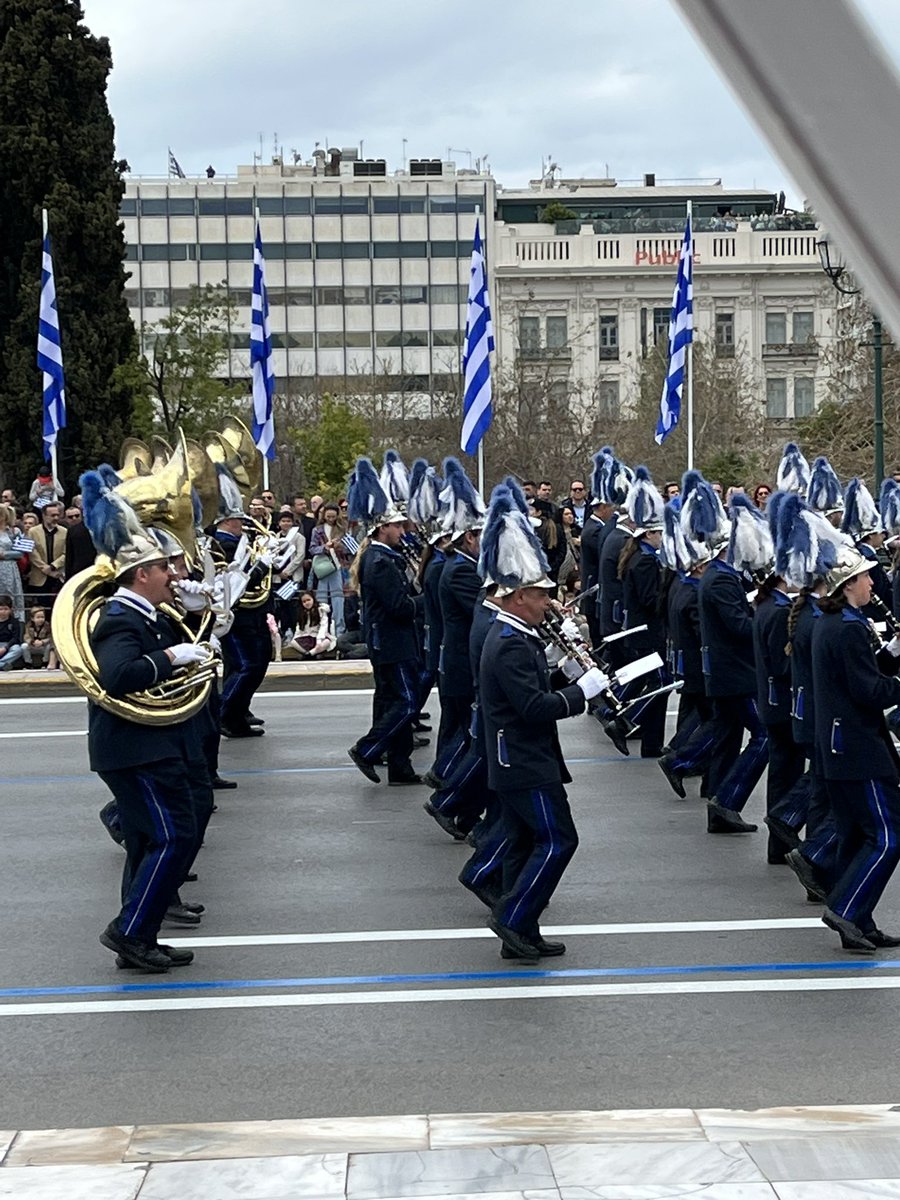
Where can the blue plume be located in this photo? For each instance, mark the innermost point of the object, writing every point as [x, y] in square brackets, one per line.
[793, 470]
[614, 478]
[365, 496]
[417, 474]
[702, 515]
[773, 507]
[197, 508]
[511, 554]
[464, 506]
[110, 519]
[644, 503]
[110, 476]
[824, 493]
[424, 501]
[674, 551]
[394, 477]
[860, 513]
[806, 545]
[597, 474]
[889, 506]
[750, 546]
[515, 489]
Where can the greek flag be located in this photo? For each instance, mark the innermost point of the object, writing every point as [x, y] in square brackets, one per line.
[288, 590]
[23, 544]
[476, 354]
[175, 166]
[49, 351]
[350, 544]
[681, 332]
[262, 360]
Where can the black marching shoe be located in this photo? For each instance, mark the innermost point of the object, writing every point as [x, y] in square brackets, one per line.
[404, 780]
[247, 731]
[142, 956]
[446, 823]
[251, 720]
[434, 781]
[725, 820]
[806, 874]
[547, 949]
[176, 957]
[421, 727]
[223, 785]
[360, 763]
[515, 941]
[616, 734]
[881, 940]
[419, 742]
[676, 783]
[179, 914]
[783, 832]
[852, 937]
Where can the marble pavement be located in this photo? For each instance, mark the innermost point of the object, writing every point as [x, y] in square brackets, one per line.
[822, 1153]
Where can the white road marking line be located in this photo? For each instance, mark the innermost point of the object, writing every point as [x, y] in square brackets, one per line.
[448, 935]
[260, 696]
[574, 991]
[45, 733]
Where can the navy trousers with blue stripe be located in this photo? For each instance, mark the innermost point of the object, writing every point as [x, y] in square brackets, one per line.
[394, 709]
[541, 841]
[867, 816]
[162, 810]
[246, 652]
[733, 773]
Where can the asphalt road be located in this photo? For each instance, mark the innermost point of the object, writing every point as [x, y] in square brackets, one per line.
[270, 1023]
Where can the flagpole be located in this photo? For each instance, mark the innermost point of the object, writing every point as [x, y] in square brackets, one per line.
[690, 372]
[481, 442]
[265, 461]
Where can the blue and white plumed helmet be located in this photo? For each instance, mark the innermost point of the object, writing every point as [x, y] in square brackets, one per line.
[860, 513]
[793, 471]
[367, 501]
[611, 478]
[889, 507]
[231, 502]
[807, 546]
[463, 507]
[394, 479]
[113, 524]
[644, 504]
[750, 547]
[824, 494]
[511, 555]
[703, 519]
[424, 505]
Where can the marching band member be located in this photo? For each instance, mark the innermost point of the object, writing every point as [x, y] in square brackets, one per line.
[853, 687]
[726, 627]
[424, 510]
[862, 523]
[156, 773]
[389, 613]
[824, 495]
[525, 763]
[614, 480]
[593, 534]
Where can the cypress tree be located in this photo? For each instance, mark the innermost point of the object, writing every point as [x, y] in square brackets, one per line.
[57, 151]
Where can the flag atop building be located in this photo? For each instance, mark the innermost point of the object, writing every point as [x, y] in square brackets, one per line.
[175, 166]
[681, 333]
[262, 358]
[49, 352]
[478, 347]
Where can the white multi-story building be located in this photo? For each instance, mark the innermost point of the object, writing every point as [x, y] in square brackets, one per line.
[367, 273]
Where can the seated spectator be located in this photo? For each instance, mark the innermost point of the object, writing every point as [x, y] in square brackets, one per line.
[314, 636]
[37, 647]
[10, 635]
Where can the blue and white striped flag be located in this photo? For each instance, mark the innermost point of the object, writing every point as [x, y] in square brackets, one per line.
[23, 544]
[262, 359]
[476, 354]
[681, 332]
[49, 351]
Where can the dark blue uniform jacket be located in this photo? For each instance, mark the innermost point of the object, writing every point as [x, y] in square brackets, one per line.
[434, 625]
[773, 666]
[684, 633]
[640, 595]
[726, 632]
[520, 711]
[802, 695]
[612, 610]
[388, 608]
[458, 592]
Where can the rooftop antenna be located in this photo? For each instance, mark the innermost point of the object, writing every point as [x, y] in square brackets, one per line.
[405, 141]
[457, 150]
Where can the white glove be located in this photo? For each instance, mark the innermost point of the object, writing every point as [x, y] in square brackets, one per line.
[267, 558]
[185, 653]
[592, 683]
[569, 629]
[572, 669]
[893, 646]
[193, 594]
[215, 644]
[223, 625]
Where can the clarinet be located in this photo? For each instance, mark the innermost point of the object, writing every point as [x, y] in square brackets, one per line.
[551, 629]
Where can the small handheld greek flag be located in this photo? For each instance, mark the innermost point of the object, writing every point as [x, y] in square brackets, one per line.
[49, 351]
[23, 544]
[681, 332]
[476, 354]
[350, 544]
[262, 359]
[288, 590]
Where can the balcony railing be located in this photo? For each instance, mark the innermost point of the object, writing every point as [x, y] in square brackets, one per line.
[808, 349]
[545, 353]
[609, 353]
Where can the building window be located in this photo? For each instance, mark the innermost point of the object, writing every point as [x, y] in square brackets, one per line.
[802, 327]
[804, 395]
[557, 333]
[297, 297]
[661, 318]
[294, 206]
[397, 339]
[776, 328]
[558, 393]
[448, 293]
[725, 335]
[220, 251]
[235, 206]
[608, 399]
[529, 335]
[341, 204]
[609, 338]
[328, 250]
[128, 207]
[156, 297]
[446, 337]
[776, 398]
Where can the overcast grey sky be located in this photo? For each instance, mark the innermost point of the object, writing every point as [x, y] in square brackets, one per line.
[617, 82]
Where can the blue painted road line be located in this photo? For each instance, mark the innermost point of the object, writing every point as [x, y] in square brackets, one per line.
[513, 975]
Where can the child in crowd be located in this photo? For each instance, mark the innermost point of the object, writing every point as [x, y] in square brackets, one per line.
[314, 636]
[10, 635]
[37, 648]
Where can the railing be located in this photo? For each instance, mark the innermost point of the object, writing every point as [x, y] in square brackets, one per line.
[808, 349]
[545, 353]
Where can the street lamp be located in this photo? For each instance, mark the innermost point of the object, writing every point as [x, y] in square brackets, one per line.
[836, 271]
